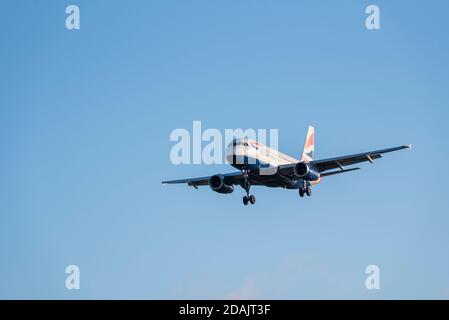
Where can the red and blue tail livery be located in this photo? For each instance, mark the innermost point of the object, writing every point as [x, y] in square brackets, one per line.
[309, 146]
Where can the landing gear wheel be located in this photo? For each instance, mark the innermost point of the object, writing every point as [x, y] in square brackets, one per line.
[245, 200]
[301, 192]
[252, 199]
[309, 191]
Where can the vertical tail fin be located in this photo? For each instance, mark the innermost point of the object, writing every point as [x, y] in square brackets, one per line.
[309, 146]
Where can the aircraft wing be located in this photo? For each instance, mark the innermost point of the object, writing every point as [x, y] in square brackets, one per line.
[235, 178]
[341, 162]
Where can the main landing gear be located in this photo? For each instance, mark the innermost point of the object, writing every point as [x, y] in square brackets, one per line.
[246, 185]
[305, 190]
[249, 199]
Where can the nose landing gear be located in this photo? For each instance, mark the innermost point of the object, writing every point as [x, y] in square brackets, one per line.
[246, 185]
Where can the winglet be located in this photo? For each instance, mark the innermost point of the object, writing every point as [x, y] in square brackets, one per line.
[408, 146]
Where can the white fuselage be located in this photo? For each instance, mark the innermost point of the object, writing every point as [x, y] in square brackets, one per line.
[252, 151]
[249, 154]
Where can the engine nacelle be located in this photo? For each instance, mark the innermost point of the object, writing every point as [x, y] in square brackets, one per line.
[303, 171]
[218, 184]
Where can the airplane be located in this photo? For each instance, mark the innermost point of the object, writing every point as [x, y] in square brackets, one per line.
[251, 158]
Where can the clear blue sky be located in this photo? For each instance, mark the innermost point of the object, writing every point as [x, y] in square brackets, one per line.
[85, 119]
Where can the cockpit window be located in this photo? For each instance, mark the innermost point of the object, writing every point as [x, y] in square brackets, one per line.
[240, 143]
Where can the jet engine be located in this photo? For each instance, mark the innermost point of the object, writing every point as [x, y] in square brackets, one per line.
[218, 184]
[303, 171]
